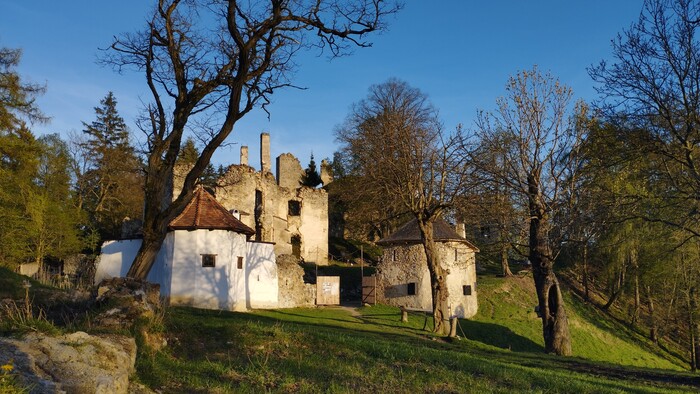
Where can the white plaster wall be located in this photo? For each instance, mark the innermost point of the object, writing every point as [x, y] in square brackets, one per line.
[261, 276]
[410, 266]
[116, 258]
[462, 272]
[217, 287]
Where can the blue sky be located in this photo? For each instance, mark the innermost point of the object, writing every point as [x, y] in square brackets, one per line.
[459, 52]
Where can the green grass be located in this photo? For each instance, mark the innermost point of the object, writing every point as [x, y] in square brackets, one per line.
[334, 350]
[506, 319]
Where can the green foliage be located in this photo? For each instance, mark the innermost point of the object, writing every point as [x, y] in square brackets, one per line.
[16, 97]
[188, 153]
[37, 214]
[311, 178]
[188, 156]
[110, 188]
[18, 317]
[9, 384]
[350, 249]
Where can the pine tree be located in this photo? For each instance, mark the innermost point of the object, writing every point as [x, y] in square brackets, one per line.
[311, 178]
[111, 188]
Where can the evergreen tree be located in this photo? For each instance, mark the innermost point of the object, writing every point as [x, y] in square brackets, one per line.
[111, 187]
[188, 156]
[19, 153]
[52, 218]
[311, 178]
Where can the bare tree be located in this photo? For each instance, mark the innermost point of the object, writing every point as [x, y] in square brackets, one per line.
[533, 129]
[653, 88]
[208, 64]
[401, 152]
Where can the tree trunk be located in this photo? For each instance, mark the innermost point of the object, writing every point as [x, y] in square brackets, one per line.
[652, 316]
[618, 287]
[555, 325]
[586, 290]
[504, 260]
[438, 278]
[637, 302]
[694, 328]
[159, 210]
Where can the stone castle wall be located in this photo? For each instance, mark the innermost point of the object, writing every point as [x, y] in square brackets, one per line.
[280, 210]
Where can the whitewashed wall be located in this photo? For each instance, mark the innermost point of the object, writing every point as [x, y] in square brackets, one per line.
[219, 287]
[261, 274]
[116, 258]
[178, 269]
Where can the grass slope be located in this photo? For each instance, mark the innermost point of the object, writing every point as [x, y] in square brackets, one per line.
[370, 350]
[507, 319]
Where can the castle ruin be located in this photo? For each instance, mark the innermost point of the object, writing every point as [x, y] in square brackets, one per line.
[278, 208]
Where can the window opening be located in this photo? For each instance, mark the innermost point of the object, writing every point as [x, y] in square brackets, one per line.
[294, 208]
[208, 260]
[411, 288]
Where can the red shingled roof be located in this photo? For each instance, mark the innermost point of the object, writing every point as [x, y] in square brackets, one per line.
[204, 212]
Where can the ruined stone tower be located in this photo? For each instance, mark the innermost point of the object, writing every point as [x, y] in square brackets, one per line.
[293, 217]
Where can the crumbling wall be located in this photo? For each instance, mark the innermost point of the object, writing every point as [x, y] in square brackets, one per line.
[289, 171]
[313, 224]
[293, 292]
[269, 214]
[326, 172]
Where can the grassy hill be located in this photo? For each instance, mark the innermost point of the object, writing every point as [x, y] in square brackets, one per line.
[370, 350]
[506, 319]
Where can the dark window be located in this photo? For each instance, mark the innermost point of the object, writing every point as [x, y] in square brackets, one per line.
[208, 260]
[296, 245]
[240, 263]
[411, 288]
[294, 208]
[456, 255]
[394, 255]
[467, 290]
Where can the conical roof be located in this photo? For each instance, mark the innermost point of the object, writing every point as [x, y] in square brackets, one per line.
[409, 233]
[204, 212]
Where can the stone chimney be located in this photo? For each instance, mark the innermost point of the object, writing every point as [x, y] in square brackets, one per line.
[265, 153]
[244, 155]
[461, 230]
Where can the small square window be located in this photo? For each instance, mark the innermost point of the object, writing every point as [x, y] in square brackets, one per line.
[411, 288]
[467, 290]
[294, 208]
[240, 263]
[208, 260]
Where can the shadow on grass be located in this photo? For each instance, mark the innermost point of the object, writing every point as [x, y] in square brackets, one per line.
[499, 336]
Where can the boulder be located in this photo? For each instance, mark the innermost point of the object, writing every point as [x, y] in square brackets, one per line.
[125, 300]
[72, 363]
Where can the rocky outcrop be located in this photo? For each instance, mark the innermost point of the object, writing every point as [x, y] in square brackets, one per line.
[125, 300]
[72, 363]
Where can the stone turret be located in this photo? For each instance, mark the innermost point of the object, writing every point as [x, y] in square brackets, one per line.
[265, 153]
